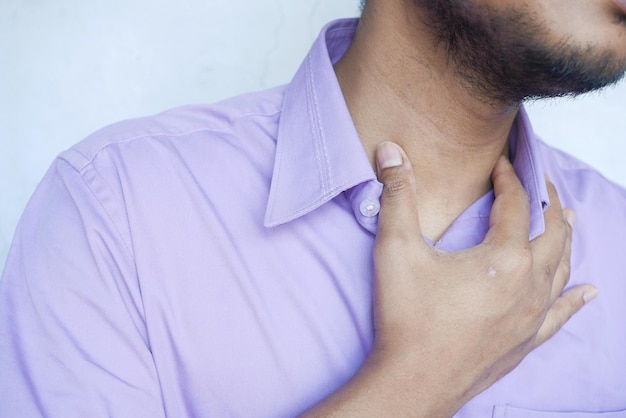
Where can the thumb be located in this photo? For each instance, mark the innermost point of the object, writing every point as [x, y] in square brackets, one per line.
[398, 212]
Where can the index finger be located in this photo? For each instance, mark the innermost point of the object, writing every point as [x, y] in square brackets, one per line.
[509, 221]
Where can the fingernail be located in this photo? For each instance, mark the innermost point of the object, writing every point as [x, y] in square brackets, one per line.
[570, 217]
[388, 155]
[590, 295]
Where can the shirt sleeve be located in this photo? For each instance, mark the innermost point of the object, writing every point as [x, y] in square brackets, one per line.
[73, 339]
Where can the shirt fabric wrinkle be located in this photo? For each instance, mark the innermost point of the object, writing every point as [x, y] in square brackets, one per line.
[252, 224]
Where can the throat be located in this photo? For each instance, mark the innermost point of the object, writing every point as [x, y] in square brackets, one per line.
[439, 209]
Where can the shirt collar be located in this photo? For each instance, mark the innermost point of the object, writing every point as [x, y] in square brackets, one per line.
[319, 154]
[528, 164]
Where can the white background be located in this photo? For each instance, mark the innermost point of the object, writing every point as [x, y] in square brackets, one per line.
[69, 67]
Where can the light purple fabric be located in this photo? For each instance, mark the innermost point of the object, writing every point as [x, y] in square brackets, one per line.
[216, 261]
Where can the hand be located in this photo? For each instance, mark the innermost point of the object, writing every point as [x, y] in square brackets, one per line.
[449, 325]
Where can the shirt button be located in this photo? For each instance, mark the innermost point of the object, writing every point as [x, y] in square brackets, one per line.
[369, 208]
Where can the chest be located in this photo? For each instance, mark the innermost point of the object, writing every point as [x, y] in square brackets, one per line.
[261, 323]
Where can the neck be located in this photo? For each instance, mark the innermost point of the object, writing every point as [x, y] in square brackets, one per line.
[401, 87]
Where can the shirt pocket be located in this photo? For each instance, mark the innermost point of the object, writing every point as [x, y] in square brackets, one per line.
[512, 412]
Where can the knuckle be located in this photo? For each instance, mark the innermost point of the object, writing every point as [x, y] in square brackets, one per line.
[395, 184]
[569, 227]
[566, 268]
[517, 261]
[564, 229]
[561, 230]
[548, 272]
[522, 196]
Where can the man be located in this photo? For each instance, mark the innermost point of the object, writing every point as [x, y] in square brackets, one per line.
[217, 260]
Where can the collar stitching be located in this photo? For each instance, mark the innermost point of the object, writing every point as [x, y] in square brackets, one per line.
[321, 151]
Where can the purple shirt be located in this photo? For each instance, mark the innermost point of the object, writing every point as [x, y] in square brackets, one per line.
[216, 261]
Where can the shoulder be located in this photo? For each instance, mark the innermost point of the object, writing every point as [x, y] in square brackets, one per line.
[238, 116]
[187, 157]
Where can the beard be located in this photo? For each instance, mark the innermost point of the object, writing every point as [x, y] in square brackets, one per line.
[505, 57]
